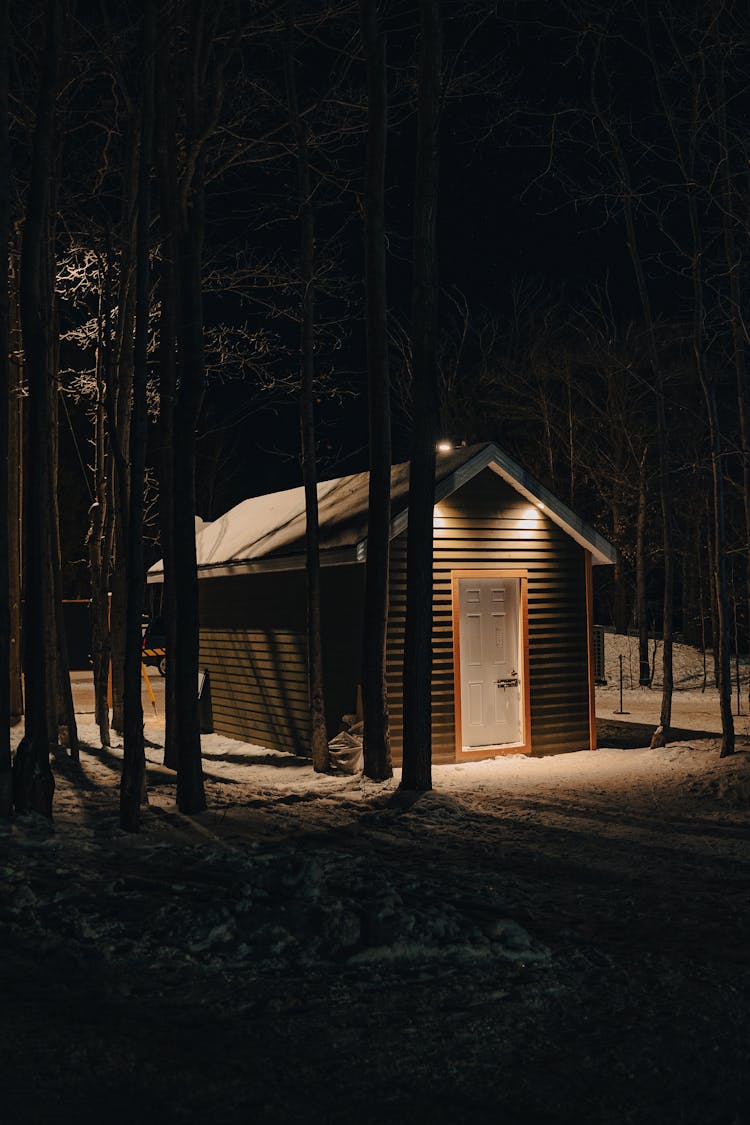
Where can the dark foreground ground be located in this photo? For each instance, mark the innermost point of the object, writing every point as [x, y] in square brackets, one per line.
[530, 948]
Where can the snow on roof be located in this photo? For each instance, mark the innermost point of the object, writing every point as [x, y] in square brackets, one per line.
[268, 532]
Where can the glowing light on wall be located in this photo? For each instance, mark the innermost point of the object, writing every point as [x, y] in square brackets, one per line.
[444, 446]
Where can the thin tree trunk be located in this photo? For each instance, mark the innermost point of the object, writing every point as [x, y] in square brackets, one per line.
[97, 538]
[377, 748]
[712, 567]
[720, 574]
[701, 602]
[6, 777]
[737, 322]
[66, 716]
[53, 611]
[190, 792]
[644, 668]
[119, 404]
[708, 386]
[318, 734]
[15, 500]
[417, 753]
[662, 733]
[132, 785]
[168, 219]
[33, 782]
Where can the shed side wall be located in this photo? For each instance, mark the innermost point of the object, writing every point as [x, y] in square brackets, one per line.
[486, 525]
[253, 644]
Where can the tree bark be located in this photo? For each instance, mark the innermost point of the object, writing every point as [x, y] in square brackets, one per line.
[166, 153]
[662, 733]
[15, 499]
[190, 792]
[712, 598]
[132, 785]
[720, 574]
[65, 709]
[738, 329]
[417, 680]
[98, 545]
[6, 777]
[318, 733]
[119, 403]
[644, 666]
[377, 748]
[33, 782]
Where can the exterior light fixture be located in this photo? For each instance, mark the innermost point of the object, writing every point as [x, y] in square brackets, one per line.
[444, 446]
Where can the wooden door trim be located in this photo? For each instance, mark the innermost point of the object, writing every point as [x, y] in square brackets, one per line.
[492, 752]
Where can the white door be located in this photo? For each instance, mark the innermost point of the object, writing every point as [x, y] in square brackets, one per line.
[490, 655]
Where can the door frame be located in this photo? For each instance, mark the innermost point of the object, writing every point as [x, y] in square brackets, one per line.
[524, 747]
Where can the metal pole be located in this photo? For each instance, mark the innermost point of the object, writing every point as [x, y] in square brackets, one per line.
[621, 712]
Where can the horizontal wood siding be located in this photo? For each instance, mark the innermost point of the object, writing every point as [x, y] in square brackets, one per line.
[487, 525]
[254, 646]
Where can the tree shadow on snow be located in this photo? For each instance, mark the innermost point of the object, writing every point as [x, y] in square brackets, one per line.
[623, 734]
[281, 761]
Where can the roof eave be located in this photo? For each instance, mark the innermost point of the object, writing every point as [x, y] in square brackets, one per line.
[602, 552]
[339, 556]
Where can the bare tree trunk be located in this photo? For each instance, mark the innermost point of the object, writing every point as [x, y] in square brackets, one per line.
[190, 792]
[570, 436]
[644, 667]
[33, 782]
[662, 733]
[318, 734]
[377, 747]
[737, 322]
[708, 386]
[713, 605]
[132, 785]
[66, 716]
[620, 596]
[701, 598]
[720, 574]
[168, 219]
[97, 538]
[15, 500]
[119, 402]
[6, 782]
[417, 767]
[53, 611]
[620, 516]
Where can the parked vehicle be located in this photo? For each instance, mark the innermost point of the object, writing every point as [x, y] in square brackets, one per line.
[154, 645]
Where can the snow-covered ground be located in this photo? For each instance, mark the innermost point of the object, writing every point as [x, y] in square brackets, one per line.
[537, 940]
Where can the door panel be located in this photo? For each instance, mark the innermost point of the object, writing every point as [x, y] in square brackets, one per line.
[474, 639]
[499, 623]
[489, 616]
[476, 709]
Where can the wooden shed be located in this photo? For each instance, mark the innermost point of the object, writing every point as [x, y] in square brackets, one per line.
[513, 661]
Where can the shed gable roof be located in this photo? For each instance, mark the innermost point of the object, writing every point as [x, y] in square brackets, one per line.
[268, 532]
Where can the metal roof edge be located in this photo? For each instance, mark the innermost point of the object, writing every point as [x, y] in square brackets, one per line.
[338, 556]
